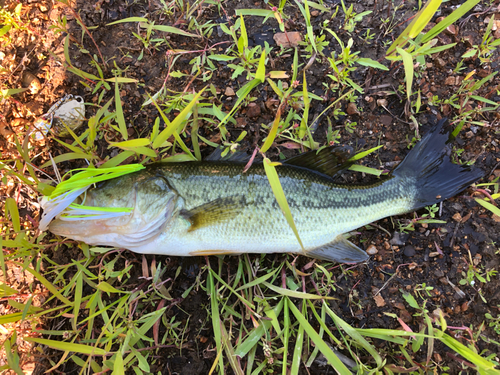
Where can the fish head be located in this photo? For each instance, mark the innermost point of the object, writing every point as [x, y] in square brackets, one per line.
[154, 205]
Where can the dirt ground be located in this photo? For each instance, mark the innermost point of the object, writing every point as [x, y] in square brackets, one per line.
[431, 260]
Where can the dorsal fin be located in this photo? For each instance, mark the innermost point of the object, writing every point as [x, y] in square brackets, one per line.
[239, 156]
[329, 160]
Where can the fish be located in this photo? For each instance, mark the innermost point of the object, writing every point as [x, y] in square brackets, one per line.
[214, 207]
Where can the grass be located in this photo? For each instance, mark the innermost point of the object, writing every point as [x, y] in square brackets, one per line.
[270, 314]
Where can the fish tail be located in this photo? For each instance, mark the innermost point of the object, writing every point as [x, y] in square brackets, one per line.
[430, 166]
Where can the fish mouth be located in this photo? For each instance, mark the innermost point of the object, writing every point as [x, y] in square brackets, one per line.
[81, 230]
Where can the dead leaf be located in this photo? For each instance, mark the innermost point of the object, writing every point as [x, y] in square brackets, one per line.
[379, 300]
[287, 40]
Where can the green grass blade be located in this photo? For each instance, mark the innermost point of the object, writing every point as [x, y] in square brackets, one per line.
[129, 19]
[214, 304]
[275, 183]
[286, 334]
[293, 293]
[118, 159]
[360, 340]
[365, 61]
[174, 125]
[121, 80]
[67, 346]
[15, 317]
[408, 65]
[173, 30]
[130, 144]
[468, 354]
[258, 281]
[118, 367]
[66, 157]
[11, 208]
[488, 206]
[120, 118]
[254, 12]
[272, 133]
[6, 291]
[261, 69]
[364, 169]
[51, 288]
[252, 339]
[242, 94]
[424, 17]
[78, 299]
[453, 17]
[321, 321]
[194, 134]
[246, 302]
[299, 340]
[295, 68]
[12, 358]
[415, 26]
[89, 176]
[361, 155]
[231, 357]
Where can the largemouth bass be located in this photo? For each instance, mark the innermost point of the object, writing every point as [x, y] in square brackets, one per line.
[207, 208]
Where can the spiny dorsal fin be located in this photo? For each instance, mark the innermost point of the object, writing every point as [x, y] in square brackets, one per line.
[239, 156]
[214, 212]
[339, 250]
[329, 160]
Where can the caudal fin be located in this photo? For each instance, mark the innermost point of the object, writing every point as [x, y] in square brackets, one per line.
[429, 163]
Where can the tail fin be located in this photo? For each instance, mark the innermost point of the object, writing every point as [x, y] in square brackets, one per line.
[436, 176]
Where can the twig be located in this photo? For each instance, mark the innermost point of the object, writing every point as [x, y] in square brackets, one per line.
[390, 278]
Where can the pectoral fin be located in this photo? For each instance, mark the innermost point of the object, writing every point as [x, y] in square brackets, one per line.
[214, 212]
[339, 250]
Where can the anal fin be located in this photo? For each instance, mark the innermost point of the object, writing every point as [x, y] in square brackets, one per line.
[339, 250]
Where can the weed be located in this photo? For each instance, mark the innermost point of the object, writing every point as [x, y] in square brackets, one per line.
[343, 66]
[493, 322]
[368, 37]
[319, 42]
[248, 57]
[11, 18]
[405, 226]
[475, 274]
[390, 22]
[351, 18]
[487, 46]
